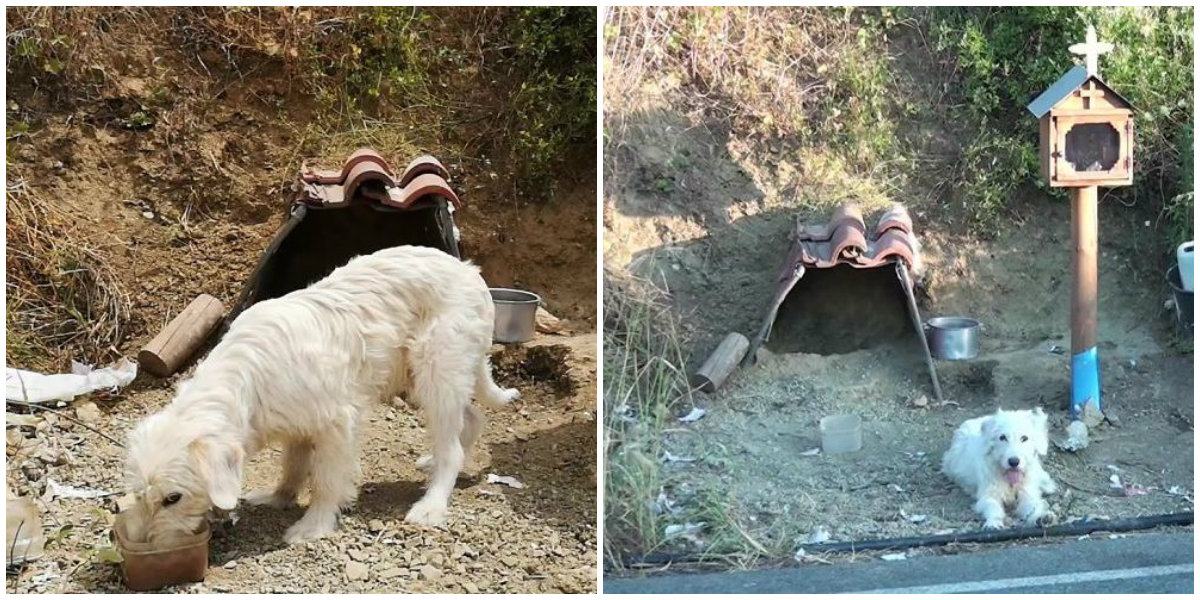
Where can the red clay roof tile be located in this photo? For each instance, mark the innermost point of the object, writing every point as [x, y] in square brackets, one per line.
[844, 241]
[366, 174]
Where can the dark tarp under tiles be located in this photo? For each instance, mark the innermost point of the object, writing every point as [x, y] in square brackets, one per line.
[841, 310]
[315, 241]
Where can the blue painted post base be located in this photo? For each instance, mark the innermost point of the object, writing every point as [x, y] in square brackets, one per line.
[1085, 381]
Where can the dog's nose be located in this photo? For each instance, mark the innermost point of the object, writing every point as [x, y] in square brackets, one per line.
[1014, 462]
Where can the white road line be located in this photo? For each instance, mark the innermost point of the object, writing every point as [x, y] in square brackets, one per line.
[1020, 582]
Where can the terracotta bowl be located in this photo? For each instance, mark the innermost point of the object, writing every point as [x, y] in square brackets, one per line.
[146, 567]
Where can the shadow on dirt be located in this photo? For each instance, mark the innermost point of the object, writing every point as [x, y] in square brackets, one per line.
[553, 469]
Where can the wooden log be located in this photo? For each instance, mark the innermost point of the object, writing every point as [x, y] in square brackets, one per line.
[712, 374]
[172, 347]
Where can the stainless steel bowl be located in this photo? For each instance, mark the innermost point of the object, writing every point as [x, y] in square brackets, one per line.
[516, 315]
[952, 338]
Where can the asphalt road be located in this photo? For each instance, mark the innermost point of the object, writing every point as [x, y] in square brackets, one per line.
[1140, 563]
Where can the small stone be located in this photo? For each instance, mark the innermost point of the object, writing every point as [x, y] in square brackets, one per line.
[375, 525]
[356, 571]
[230, 565]
[461, 550]
[1077, 437]
[1091, 416]
[546, 322]
[88, 412]
[921, 401]
[430, 572]
[15, 439]
[393, 573]
[470, 588]
[147, 214]
[510, 561]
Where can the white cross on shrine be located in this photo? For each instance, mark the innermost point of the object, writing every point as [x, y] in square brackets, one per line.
[1091, 51]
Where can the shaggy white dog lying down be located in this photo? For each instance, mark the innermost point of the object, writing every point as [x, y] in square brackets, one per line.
[996, 459]
[303, 371]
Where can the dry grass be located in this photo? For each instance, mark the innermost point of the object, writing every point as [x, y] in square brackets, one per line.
[777, 70]
[644, 380]
[64, 301]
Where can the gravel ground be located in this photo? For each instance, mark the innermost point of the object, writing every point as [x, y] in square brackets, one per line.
[537, 539]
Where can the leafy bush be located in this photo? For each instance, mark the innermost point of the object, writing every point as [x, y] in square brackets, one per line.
[1005, 56]
[540, 59]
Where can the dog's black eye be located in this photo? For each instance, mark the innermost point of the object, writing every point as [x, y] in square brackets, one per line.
[1004, 438]
[172, 498]
[1024, 438]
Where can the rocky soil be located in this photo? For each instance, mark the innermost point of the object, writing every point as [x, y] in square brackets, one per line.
[536, 539]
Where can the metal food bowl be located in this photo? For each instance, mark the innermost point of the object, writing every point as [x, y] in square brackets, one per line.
[516, 315]
[953, 338]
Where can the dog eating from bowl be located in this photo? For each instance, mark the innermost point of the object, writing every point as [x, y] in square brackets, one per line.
[302, 371]
[997, 460]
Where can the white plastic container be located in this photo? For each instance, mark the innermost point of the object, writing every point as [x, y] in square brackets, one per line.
[841, 434]
[1186, 254]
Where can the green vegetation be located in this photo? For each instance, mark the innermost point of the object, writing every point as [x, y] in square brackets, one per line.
[644, 383]
[364, 67]
[1005, 56]
[539, 60]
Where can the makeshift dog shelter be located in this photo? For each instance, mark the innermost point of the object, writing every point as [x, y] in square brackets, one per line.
[360, 208]
[851, 274]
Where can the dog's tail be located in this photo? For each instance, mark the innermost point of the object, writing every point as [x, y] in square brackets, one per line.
[486, 390]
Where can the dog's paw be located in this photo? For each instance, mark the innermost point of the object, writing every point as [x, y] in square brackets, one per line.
[426, 512]
[425, 462]
[270, 498]
[1049, 487]
[993, 524]
[511, 394]
[1045, 519]
[311, 527]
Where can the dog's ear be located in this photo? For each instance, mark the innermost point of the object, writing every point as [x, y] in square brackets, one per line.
[220, 460]
[1041, 430]
[987, 426]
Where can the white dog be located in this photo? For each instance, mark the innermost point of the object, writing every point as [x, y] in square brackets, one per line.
[996, 459]
[303, 371]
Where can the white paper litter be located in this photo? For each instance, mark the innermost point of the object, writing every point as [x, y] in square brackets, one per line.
[1114, 482]
[663, 505]
[685, 530]
[668, 457]
[57, 490]
[696, 414]
[1182, 493]
[813, 452]
[28, 386]
[505, 479]
[820, 535]
[896, 556]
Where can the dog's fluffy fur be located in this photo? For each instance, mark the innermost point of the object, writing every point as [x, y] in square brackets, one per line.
[996, 459]
[302, 371]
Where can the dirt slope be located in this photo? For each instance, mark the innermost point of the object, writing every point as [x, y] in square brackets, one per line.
[174, 174]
